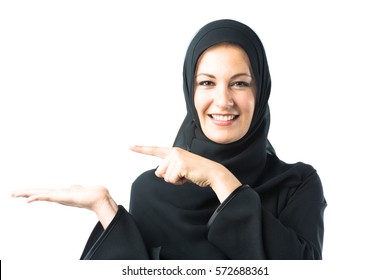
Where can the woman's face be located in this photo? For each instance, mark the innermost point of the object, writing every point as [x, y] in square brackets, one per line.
[224, 93]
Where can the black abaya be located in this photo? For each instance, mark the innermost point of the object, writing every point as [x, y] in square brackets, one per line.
[276, 214]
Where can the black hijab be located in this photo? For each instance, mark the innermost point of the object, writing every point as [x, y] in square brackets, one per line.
[246, 157]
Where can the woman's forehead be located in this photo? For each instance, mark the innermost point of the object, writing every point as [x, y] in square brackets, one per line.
[224, 57]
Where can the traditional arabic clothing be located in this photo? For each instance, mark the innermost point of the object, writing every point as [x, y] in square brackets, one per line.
[276, 214]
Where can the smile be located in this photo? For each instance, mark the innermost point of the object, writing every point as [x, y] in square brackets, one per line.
[223, 119]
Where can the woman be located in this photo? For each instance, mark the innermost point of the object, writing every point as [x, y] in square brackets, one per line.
[220, 192]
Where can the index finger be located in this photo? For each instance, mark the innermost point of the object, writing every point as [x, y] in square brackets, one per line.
[160, 152]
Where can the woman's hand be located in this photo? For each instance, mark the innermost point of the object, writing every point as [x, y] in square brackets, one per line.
[179, 166]
[95, 198]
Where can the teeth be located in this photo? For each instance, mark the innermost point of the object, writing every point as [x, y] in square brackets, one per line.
[223, 117]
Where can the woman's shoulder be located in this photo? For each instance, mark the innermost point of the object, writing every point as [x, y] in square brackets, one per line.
[145, 178]
[290, 178]
[143, 186]
[148, 174]
[298, 172]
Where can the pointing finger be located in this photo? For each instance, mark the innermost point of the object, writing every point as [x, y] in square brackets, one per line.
[160, 152]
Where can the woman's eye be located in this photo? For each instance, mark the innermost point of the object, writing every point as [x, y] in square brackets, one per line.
[206, 83]
[240, 84]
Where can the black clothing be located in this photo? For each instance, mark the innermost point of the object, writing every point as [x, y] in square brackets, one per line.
[282, 218]
[276, 214]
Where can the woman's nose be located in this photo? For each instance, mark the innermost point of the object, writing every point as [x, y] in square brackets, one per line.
[223, 97]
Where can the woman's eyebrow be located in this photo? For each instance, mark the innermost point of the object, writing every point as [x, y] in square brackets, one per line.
[233, 77]
[241, 74]
[205, 74]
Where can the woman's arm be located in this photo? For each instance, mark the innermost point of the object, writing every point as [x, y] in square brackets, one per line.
[115, 236]
[178, 166]
[243, 228]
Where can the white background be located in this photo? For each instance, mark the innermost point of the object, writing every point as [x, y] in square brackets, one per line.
[80, 81]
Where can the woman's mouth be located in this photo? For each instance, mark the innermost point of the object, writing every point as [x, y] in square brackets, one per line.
[223, 119]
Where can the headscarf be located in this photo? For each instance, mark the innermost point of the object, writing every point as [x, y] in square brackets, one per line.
[246, 157]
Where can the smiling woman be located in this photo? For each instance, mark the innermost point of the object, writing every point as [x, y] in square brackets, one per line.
[220, 192]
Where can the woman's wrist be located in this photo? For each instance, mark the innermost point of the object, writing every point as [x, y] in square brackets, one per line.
[224, 183]
[106, 210]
